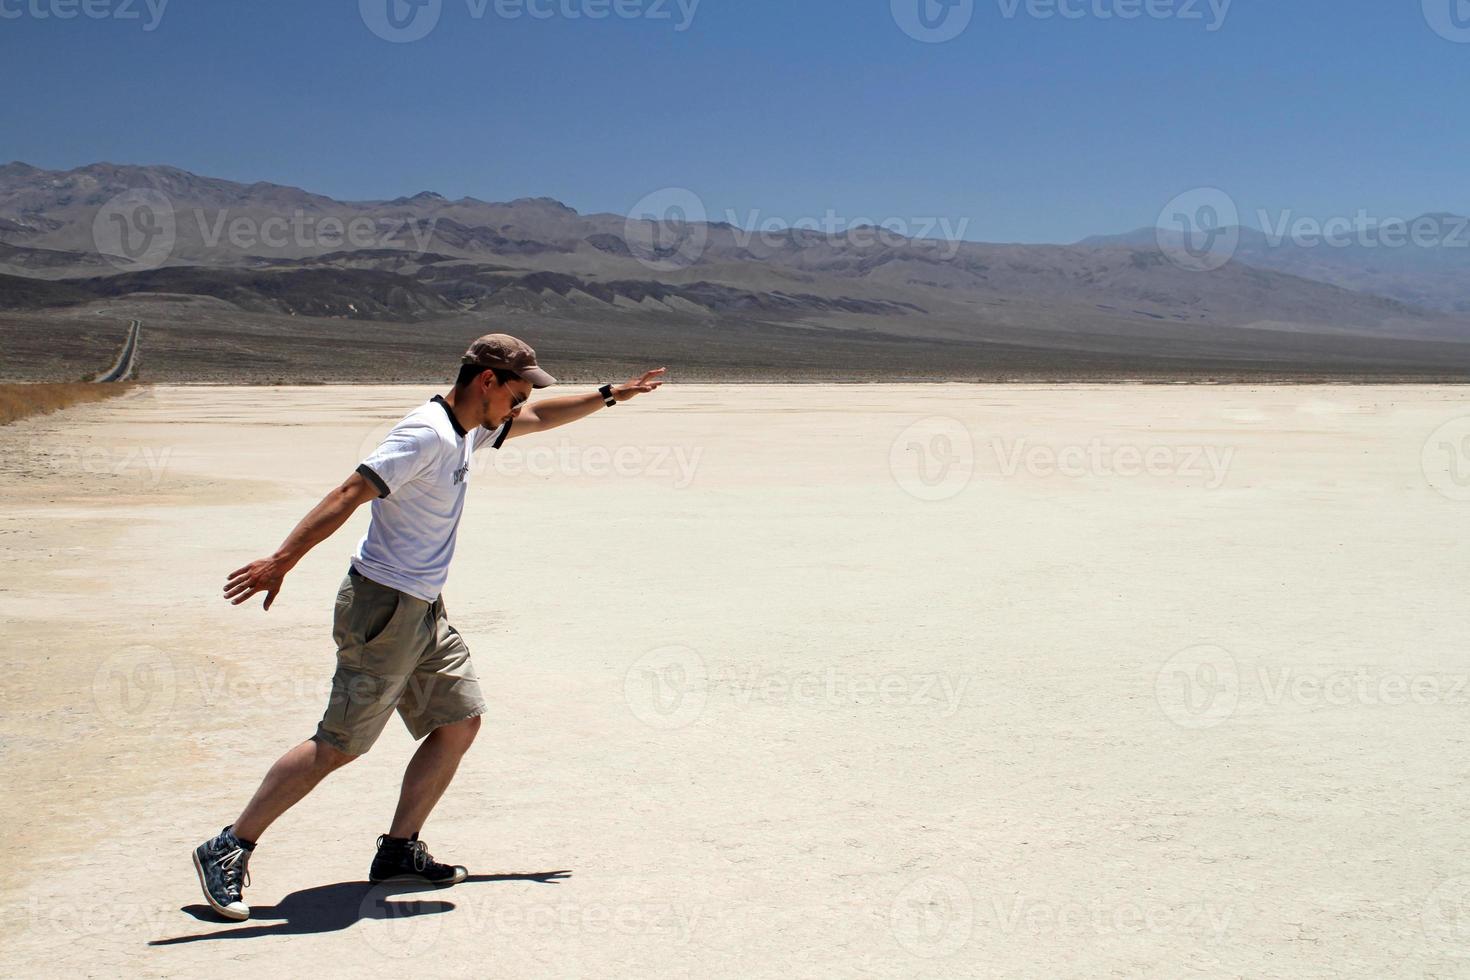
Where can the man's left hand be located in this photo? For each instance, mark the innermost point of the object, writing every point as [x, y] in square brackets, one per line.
[637, 386]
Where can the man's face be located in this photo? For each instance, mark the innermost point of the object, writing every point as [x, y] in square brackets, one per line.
[505, 400]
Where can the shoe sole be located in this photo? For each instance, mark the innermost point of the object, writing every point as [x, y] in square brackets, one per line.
[416, 879]
[220, 909]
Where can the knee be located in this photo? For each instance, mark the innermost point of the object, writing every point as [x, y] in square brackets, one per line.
[461, 734]
[329, 759]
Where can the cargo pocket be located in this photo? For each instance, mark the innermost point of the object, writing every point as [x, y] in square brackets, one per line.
[365, 623]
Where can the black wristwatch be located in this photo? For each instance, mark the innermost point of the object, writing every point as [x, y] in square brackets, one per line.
[607, 399]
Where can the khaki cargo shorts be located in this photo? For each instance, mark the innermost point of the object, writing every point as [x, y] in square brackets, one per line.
[394, 652]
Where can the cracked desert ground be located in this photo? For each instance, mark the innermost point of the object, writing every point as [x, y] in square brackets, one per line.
[949, 680]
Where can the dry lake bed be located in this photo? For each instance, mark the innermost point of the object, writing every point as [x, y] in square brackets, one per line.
[951, 680]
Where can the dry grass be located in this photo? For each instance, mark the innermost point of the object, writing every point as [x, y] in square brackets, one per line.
[20, 400]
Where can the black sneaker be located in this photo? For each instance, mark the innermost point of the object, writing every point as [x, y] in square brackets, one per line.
[409, 860]
[223, 863]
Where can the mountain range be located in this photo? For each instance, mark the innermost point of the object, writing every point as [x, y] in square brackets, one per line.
[78, 241]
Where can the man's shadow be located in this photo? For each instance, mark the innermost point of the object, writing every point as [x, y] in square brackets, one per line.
[332, 908]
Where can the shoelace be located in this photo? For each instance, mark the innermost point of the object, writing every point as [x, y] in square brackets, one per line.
[235, 865]
[421, 858]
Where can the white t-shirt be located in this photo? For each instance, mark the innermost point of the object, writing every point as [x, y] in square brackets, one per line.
[421, 470]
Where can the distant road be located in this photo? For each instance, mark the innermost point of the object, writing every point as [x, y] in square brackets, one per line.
[123, 369]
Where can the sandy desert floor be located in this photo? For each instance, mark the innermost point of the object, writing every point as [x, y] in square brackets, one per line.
[1018, 681]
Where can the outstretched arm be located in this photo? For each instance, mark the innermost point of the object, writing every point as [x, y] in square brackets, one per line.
[552, 412]
[265, 574]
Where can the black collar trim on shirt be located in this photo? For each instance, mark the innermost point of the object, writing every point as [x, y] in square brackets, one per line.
[458, 429]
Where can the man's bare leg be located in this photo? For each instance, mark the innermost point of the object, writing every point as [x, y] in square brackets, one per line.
[429, 773]
[293, 776]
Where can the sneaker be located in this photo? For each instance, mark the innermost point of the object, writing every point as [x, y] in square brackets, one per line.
[223, 863]
[409, 860]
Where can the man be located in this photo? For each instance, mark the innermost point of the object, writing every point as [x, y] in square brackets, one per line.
[395, 647]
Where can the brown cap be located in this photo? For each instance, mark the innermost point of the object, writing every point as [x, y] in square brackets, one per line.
[498, 350]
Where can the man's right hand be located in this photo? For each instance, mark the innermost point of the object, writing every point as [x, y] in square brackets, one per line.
[264, 575]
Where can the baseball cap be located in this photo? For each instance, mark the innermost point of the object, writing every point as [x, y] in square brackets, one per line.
[498, 350]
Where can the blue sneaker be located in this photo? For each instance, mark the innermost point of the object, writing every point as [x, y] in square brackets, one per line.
[223, 863]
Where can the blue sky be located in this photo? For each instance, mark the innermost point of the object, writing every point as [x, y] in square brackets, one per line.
[1023, 127]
